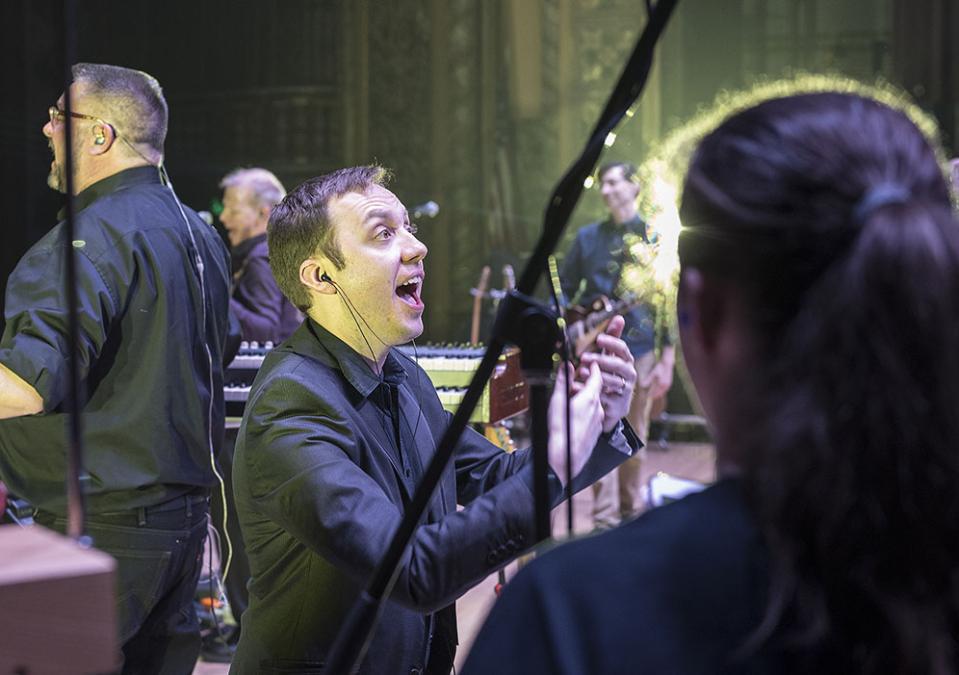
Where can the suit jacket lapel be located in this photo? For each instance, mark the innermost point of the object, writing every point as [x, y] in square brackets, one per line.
[307, 341]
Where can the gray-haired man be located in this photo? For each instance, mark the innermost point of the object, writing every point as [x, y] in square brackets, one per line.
[263, 312]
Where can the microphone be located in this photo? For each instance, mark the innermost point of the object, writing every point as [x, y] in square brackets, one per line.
[428, 209]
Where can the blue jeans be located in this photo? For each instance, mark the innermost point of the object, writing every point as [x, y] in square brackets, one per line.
[159, 553]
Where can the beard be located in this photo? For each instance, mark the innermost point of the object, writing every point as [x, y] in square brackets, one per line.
[57, 179]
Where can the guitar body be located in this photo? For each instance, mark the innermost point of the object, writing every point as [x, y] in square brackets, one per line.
[584, 325]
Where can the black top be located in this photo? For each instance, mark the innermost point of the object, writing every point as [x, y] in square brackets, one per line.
[597, 258]
[263, 311]
[327, 458]
[678, 590]
[143, 364]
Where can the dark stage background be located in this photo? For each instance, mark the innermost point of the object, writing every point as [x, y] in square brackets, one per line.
[478, 105]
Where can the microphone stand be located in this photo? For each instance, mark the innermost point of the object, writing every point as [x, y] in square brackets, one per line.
[519, 316]
[75, 473]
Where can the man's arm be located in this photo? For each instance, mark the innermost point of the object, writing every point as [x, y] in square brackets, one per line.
[257, 300]
[34, 348]
[613, 376]
[480, 466]
[16, 396]
[314, 472]
[303, 458]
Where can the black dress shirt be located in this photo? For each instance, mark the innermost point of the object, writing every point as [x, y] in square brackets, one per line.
[597, 258]
[143, 362]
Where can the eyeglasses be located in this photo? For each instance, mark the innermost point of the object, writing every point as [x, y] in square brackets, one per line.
[57, 115]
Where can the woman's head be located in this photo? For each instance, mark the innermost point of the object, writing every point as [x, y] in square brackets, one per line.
[788, 204]
[819, 310]
[771, 195]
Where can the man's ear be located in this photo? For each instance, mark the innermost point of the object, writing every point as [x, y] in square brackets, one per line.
[312, 276]
[103, 138]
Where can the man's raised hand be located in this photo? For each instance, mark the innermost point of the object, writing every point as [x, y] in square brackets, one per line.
[618, 372]
[586, 413]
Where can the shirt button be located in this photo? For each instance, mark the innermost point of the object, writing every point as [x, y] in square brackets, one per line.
[408, 472]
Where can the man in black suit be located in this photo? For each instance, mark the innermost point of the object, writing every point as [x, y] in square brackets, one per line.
[339, 428]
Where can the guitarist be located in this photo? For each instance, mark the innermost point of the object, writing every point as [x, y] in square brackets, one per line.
[591, 269]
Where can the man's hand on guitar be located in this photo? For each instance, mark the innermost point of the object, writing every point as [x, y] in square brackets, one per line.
[586, 413]
[618, 371]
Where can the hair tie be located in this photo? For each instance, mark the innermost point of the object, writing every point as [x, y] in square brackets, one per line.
[878, 196]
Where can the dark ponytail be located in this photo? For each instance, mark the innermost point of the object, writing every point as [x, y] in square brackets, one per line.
[832, 213]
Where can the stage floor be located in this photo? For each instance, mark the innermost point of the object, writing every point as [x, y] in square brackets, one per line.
[686, 460]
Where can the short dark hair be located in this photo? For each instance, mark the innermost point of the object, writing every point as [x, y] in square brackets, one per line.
[300, 225]
[629, 170]
[830, 212]
[131, 100]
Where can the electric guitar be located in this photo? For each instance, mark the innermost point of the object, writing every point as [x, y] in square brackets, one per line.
[583, 325]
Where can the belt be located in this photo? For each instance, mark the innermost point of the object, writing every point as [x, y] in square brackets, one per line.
[141, 516]
[187, 503]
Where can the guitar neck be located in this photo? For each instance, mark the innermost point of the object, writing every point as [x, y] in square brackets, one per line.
[619, 307]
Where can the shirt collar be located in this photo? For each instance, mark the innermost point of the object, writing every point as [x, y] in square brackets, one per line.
[354, 367]
[138, 175]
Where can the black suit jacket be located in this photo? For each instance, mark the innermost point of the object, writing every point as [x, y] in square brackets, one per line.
[320, 489]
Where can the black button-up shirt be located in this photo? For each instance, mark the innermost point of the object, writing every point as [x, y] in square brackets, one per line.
[396, 415]
[142, 349]
[597, 258]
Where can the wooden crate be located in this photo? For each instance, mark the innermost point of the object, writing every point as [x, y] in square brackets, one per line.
[57, 605]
